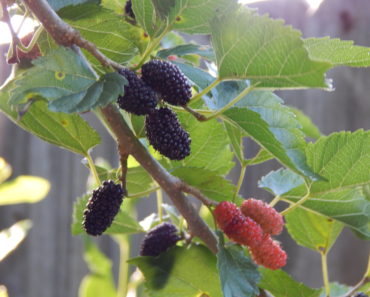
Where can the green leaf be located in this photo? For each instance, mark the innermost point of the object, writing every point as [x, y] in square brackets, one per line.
[138, 181]
[5, 170]
[210, 148]
[181, 272]
[312, 230]
[95, 286]
[273, 127]
[264, 50]
[58, 4]
[123, 223]
[191, 16]
[280, 181]
[280, 284]
[308, 127]
[337, 52]
[146, 16]
[236, 140]
[196, 75]
[343, 160]
[239, 275]
[265, 119]
[115, 38]
[61, 73]
[24, 189]
[101, 93]
[336, 290]
[261, 157]
[100, 282]
[186, 49]
[68, 131]
[11, 237]
[208, 182]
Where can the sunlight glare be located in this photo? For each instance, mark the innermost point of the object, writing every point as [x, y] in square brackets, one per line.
[27, 27]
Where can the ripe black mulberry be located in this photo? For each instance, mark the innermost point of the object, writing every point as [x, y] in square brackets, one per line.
[128, 9]
[360, 294]
[159, 239]
[138, 98]
[168, 80]
[102, 207]
[166, 135]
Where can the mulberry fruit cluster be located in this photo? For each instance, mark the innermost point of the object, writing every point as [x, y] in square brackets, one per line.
[166, 135]
[102, 207]
[168, 80]
[235, 225]
[252, 225]
[138, 98]
[164, 80]
[159, 239]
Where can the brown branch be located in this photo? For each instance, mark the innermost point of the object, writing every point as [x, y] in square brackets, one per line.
[196, 193]
[65, 35]
[123, 156]
[168, 183]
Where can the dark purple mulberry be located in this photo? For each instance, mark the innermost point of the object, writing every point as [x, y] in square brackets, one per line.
[360, 294]
[159, 239]
[168, 80]
[138, 98]
[102, 207]
[128, 9]
[166, 135]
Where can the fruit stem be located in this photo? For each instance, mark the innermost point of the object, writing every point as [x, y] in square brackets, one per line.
[325, 275]
[151, 46]
[93, 170]
[199, 95]
[124, 254]
[159, 204]
[240, 180]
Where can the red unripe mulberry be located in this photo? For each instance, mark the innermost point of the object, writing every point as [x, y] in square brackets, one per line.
[270, 220]
[236, 226]
[268, 253]
[224, 213]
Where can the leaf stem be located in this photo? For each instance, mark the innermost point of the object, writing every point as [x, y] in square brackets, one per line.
[143, 194]
[240, 180]
[298, 203]
[124, 253]
[274, 201]
[199, 95]
[151, 46]
[325, 274]
[93, 170]
[159, 204]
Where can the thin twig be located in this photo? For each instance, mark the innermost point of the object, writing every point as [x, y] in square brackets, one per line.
[12, 55]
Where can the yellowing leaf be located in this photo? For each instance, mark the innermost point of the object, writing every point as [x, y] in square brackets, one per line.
[10, 238]
[5, 170]
[24, 189]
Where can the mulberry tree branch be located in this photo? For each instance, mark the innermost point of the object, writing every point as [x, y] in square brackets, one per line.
[65, 35]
